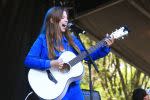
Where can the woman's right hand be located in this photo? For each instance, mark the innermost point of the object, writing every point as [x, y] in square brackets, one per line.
[57, 63]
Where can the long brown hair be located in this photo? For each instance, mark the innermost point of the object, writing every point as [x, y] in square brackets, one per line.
[53, 31]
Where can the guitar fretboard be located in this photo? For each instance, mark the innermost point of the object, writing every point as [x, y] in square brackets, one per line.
[84, 54]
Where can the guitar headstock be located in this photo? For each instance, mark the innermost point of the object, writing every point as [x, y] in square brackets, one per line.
[120, 33]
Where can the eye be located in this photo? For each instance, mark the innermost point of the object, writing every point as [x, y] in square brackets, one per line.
[63, 17]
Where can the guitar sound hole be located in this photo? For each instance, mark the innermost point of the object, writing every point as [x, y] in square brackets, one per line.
[65, 68]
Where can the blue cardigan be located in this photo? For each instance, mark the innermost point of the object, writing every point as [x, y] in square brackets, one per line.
[37, 58]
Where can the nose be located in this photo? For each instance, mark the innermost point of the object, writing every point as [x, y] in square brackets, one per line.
[66, 20]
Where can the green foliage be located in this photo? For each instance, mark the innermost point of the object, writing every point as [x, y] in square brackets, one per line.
[116, 79]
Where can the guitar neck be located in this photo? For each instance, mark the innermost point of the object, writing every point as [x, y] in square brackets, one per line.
[84, 54]
[116, 35]
[98, 45]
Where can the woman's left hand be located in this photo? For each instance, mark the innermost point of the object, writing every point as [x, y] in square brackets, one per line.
[109, 41]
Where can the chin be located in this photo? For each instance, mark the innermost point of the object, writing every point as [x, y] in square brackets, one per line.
[63, 30]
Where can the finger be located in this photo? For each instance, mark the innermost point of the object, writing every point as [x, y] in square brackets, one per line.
[61, 65]
[108, 42]
[112, 40]
[60, 61]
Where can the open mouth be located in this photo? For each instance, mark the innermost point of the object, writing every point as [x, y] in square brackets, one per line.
[64, 25]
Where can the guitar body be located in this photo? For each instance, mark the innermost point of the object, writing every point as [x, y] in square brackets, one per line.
[45, 88]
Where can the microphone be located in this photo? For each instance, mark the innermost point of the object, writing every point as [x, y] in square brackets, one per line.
[74, 28]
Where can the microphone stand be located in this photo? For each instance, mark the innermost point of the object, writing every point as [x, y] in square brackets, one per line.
[89, 62]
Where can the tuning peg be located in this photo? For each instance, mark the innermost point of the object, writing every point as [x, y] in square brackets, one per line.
[122, 37]
[108, 36]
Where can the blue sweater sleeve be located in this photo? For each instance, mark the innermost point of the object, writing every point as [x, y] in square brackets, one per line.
[99, 53]
[33, 58]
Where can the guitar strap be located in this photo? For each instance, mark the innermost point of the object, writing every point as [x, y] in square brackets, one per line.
[51, 77]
